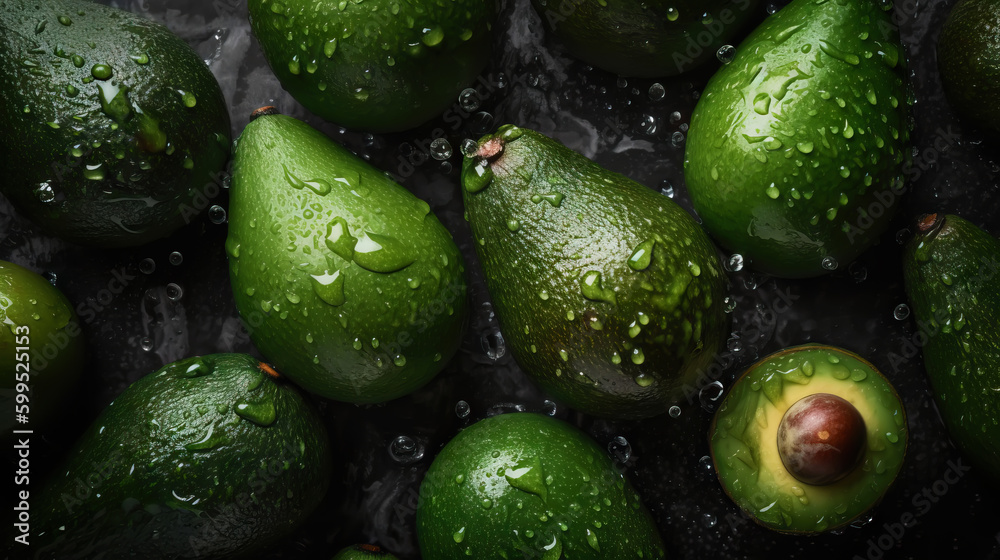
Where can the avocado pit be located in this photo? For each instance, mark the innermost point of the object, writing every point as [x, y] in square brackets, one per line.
[821, 439]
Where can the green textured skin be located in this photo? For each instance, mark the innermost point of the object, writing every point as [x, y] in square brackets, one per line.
[151, 494]
[797, 147]
[952, 278]
[749, 466]
[469, 507]
[146, 190]
[627, 355]
[639, 38]
[385, 72]
[390, 330]
[969, 60]
[55, 356]
[363, 551]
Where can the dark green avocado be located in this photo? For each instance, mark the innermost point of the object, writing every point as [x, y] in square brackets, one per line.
[525, 485]
[796, 150]
[114, 128]
[347, 282]
[808, 439]
[363, 552]
[952, 277]
[968, 53]
[209, 457]
[609, 294]
[41, 345]
[377, 65]
[646, 39]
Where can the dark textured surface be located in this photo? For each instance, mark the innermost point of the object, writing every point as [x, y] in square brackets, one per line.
[955, 170]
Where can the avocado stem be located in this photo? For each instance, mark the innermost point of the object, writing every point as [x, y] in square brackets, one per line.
[266, 368]
[926, 222]
[264, 111]
[491, 148]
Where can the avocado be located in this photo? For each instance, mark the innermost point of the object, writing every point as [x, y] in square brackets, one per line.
[525, 485]
[968, 55]
[363, 551]
[378, 65]
[347, 282]
[808, 439]
[209, 457]
[645, 39]
[609, 294]
[41, 346]
[952, 277]
[796, 149]
[114, 127]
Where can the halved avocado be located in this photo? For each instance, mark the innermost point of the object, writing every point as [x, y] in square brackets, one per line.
[800, 407]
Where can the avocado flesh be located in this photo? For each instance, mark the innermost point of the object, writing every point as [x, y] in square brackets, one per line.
[743, 439]
[348, 282]
[952, 278]
[796, 151]
[527, 485]
[968, 54]
[114, 126]
[207, 457]
[644, 39]
[37, 325]
[380, 65]
[609, 294]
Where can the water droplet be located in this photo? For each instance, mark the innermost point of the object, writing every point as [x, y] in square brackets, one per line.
[642, 255]
[734, 263]
[405, 450]
[101, 71]
[656, 91]
[638, 357]
[648, 125]
[901, 312]
[440, 149]
[493, 344]
[805, 147]
[176, 258]
[676, 139]
[709, 394]
[481, 122]
[829, 263]
[217, 214]
[432, 36]
[673, 14]
[549, 407]
[674, 411]
[469, 99]
[462, 409]
[726, 53]
[620, 449]
[262, 414]
[469, 147]
[708, 520]
[317, 186]
[329, 287]
[528, 476]
[667, 188]
[174, 292]
[592, 540]
[382, 253]
[592, 288]
[141, 58]
[65, 20]
[146, 344]
[459, 535]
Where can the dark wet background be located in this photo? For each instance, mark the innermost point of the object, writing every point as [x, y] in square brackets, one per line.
[177, 301]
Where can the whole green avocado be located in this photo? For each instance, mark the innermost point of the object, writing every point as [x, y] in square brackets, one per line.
[524, 485]
[797, 147]
[968, 55]
[347, 282]
[609, 294]
[643, 38]
[209, 457]
[114, 128]
[952, 276]
[363, 552]
[41, 346]
[377, 65]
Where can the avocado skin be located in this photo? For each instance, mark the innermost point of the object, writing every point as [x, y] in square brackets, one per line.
[53, 377]
[754, 477]
[952, 278]
[363, 551]
[391, 331]
[969, 60]
[470, 508]
[628, 358]
[385, 73]
[776, 131]
[256, 485]
[636, 38]
[146, 193]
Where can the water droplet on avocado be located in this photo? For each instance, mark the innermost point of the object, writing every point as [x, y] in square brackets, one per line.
[762, 103]
[65, 20]
[141, 58]
[339, 239]
[554, 199]
[382, 253]
[528, 476]
[805, 147]
[101, 71]
[432, 36]
[317, 186]
[329, 287]
[642, 255]
[77, 61]
[196, 368]
[459, 535]
[262, 414]
[479, 178]
[208, 442]
[114, 101]
[592, 288]
[187, 98]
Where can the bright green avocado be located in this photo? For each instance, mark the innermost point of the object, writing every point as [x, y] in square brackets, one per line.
[968, 55]
[952, 277]
[640, 38]
[525, 485]
[363, 552]
[347, 282]
[609, 294]
[377, 65]
[114, 128]
[796, 149]
[808, 439]
[41, 345]
[209, 457]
